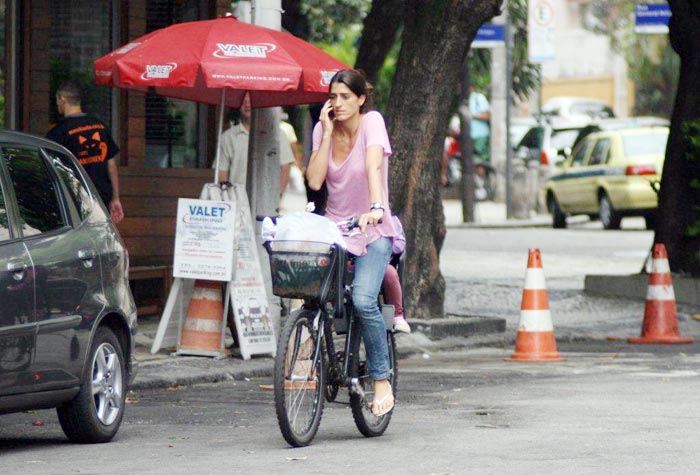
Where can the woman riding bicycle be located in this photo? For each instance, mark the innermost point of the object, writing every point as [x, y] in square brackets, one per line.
[350, 153]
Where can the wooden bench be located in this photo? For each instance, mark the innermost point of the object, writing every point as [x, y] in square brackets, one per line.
[162, 272]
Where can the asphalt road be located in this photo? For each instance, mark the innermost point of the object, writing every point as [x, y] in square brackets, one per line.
[609, 409]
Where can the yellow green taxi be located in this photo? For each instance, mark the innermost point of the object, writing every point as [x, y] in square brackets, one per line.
[610, 175]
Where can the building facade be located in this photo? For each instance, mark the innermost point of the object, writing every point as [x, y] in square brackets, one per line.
[167, 146]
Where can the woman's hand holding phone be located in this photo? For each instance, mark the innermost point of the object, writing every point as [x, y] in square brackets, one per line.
[327, 117]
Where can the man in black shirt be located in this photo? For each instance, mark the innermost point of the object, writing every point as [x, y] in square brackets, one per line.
[91, 143]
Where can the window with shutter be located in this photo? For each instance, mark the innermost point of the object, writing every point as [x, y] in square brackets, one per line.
[172, 132]
[76, 40]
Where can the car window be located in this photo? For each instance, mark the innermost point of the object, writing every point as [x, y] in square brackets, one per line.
[533, 139]
[654, 144]
[69, 174]
[4, 222]
[563, 138]
[37, 197]
[599, 155]
[580, 154]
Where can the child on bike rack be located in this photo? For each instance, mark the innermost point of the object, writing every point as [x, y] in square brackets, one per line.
[350, 154]
[393, 294]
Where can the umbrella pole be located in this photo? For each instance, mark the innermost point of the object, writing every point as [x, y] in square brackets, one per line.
[218, 140]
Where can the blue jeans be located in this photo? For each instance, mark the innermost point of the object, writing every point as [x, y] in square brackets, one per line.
[369, 274]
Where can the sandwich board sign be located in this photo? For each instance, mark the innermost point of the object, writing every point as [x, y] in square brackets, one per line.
[215, 240]
[204, 239]
[248, 297]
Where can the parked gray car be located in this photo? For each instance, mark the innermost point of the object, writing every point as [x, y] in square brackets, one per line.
[67, 316]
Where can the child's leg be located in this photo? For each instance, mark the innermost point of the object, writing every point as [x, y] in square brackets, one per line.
[394, 296]
[392, 290]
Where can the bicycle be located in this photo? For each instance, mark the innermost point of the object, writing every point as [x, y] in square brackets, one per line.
[310, 365]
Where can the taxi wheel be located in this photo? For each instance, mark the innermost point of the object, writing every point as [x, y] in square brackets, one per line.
[558, 216]
[608, 216]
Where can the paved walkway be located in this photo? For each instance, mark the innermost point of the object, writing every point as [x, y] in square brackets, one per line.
[162, 370]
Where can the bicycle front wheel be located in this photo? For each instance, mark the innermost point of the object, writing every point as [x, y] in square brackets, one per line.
[367, 423]
[299, 379]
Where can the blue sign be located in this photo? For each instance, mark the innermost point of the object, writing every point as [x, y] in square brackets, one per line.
[652, 18]
[489, 36]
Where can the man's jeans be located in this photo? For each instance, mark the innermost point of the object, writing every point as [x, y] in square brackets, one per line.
[369, 274]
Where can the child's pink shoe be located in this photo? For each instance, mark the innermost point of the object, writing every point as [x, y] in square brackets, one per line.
[401, 325]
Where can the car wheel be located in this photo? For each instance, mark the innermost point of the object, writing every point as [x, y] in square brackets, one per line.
[558, 216]
[96, 412]
[608, 216]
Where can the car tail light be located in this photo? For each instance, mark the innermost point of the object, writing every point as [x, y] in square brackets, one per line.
[641, 170]
[544, 160]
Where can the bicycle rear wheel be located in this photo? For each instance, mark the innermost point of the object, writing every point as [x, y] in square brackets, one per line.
[299, 380]
[367, 423]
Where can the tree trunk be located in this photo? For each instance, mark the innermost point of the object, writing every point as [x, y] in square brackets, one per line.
[379, 31]
[678, 215]
[435, 41]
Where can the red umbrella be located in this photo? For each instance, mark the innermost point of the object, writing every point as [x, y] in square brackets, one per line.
[200, 60]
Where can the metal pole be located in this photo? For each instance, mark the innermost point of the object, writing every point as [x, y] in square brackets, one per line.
[509, 105]
[218, 136]
[467, 185]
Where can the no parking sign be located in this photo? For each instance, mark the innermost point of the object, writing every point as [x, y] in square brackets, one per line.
[540, 28]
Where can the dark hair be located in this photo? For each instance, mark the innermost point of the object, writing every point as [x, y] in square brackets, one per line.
[356, 82]
[71, 90]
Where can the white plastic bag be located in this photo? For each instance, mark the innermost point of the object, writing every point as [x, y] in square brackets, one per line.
[300, 226]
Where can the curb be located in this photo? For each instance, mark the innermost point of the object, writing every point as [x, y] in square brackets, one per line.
[686, 289]
[541, 221]
[429, 336]
[460, 325]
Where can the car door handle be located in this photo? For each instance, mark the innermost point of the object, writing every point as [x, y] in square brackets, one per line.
[86, 254]
[17, 268]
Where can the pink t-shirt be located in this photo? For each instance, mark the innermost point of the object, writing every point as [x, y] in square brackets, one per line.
[348, 185]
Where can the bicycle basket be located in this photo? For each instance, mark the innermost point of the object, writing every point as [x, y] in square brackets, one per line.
[299, 268]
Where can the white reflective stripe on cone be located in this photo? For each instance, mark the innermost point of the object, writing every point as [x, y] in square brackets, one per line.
[535, 321]
[660, 266]
[660, 292]
[206, 293]
[202, 325]
[534, 278]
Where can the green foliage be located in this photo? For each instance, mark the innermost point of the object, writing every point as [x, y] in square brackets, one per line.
[690, 134]
[329, 19]
[526, 75]
[346, 51]
[653, 65]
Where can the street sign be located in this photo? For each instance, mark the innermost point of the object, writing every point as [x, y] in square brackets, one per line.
[651, 18]
[540, 31]
[490, 36]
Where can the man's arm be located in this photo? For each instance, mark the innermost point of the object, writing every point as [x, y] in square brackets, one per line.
[115, 206]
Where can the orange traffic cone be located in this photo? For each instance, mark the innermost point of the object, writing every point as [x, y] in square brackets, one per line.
[202, 331]
[535, 339]
[660, 320]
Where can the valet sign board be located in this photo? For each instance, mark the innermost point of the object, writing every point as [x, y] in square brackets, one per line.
[248, 296]
[204, 240]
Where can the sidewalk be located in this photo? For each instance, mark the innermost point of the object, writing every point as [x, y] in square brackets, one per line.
[164, 370]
